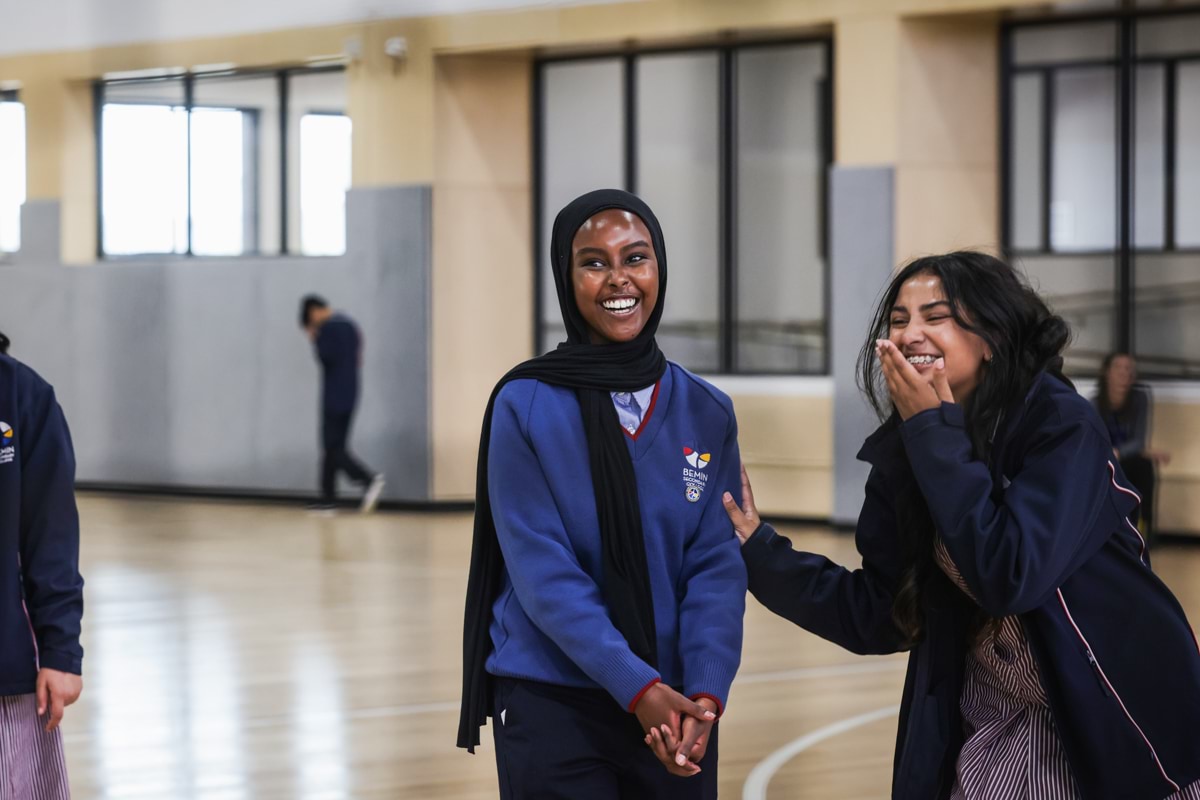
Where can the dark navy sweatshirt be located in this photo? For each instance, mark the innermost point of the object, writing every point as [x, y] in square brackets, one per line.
[339, 349]
[41, 591]
[549, 622]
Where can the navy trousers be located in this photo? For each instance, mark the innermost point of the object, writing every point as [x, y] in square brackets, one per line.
[560, 743]
[335, 454]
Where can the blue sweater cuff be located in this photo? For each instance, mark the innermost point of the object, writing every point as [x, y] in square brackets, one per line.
[624, 677]
[711, 678]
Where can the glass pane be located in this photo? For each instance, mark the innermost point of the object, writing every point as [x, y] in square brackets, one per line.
[12, 175]
[1082, 290]
[1187, 158]
[583, 148]
[1173, 36]
[1026, 209]
[235, 165]
[143, 160]
[324, 179]
[1149, 158]
[316, 93]
[781, 271]
[218, 178]
[1167, 314]
[1083, 208]
[678, 152]
[1057, 44]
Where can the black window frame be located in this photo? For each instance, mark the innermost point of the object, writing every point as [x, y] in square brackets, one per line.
[188, 79]
[1125, 62]
[727, 172]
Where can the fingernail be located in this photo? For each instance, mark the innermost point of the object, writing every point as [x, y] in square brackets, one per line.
[727, 497]
[709, 715]
[681, 759]
[665, 729]
[940, 363]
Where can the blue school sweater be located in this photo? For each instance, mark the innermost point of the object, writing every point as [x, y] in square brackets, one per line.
[41, 592]
[549, 622]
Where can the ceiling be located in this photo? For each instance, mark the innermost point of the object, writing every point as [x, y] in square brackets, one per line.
[47, 25]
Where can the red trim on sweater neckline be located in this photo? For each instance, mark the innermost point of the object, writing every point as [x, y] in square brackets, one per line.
[646, 416]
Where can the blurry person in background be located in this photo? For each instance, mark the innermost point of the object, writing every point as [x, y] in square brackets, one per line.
[1125, 406]
[338, 347]
[4, 344]
[41, 590]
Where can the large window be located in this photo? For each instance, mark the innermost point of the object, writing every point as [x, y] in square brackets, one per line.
[730, 147]
[12, 170]
[1102, 181]
[224, 164]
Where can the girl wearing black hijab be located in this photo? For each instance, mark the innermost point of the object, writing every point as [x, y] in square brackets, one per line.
[605, 599]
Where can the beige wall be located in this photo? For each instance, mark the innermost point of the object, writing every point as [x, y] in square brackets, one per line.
[482, 251]
[1177, 431]
[947, 169]
[787, 447]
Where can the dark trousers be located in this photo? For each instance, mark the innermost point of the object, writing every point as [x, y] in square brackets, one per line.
[335, 431]
[559, 743]
[1140, 472]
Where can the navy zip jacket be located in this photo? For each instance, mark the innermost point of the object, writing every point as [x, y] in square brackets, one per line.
[1044, 533]
[41, 591]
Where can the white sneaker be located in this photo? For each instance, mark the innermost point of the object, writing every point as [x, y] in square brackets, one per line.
[371, 496]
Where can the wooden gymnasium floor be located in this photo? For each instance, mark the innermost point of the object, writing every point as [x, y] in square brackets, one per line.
[249, 652]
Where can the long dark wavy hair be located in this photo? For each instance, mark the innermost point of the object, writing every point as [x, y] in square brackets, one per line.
[988, 298]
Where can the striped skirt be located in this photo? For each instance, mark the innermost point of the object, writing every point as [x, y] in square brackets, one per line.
[32, 766]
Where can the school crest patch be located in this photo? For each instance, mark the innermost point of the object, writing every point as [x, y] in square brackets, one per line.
[695, 475]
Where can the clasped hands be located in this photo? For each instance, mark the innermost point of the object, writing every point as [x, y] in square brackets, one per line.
[677, 729]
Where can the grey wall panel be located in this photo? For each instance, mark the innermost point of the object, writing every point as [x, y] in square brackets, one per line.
[862, 203]
[40, 239]
[122, 412]
[396, 352]
[195, 373]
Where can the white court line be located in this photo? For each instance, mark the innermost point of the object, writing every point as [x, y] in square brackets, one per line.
[755, 787]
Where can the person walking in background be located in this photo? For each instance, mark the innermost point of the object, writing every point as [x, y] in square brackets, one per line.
[338, 346]
[1125, 406]
[41, 590]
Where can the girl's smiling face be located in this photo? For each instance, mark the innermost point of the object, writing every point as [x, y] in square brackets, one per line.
[922, 327]
[614, 272]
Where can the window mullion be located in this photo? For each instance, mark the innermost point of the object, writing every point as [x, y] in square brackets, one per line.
[728, 207]
[188, 102]
[284, 134]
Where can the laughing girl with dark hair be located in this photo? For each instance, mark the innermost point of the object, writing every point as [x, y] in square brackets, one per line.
[605, 600]
[1000, 548]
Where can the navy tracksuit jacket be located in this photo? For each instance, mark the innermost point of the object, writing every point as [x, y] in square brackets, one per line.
[1045, 532]
[41, 591]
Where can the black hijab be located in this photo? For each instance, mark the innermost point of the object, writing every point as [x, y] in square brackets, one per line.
[593, 371]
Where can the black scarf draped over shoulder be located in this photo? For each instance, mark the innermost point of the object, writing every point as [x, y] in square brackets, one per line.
[592, 371]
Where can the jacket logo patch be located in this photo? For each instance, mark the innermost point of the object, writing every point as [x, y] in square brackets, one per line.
[7, 450]
[695, 479]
